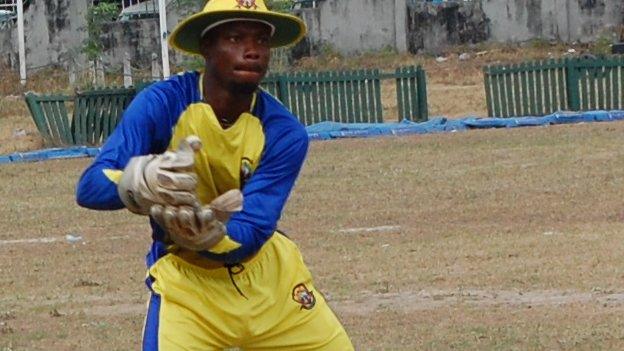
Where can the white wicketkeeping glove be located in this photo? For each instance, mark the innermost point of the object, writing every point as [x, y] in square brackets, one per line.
[166, 179]
[198, 228]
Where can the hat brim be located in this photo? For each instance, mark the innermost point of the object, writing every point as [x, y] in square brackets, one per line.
[186, 36]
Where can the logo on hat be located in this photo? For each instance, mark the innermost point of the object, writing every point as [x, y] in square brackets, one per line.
[248, 4]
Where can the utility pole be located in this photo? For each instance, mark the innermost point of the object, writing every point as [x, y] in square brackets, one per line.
[162, 11]
[20, 41]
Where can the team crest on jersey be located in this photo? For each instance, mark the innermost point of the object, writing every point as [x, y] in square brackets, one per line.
[303, 296]
[248, 4]
[246, 170]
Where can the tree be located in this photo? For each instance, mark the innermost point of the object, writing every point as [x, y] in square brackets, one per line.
[97, 15]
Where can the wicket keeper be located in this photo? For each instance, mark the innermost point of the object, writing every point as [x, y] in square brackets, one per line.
[211, 159]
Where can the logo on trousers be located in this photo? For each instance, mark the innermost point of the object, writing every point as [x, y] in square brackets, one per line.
[303, 296]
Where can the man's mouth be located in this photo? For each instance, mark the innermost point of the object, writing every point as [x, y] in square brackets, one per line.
[257, 69]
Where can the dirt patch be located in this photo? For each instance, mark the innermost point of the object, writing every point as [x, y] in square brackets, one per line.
[438, 299]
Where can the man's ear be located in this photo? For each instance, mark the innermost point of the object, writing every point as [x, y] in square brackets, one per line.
[204, 43]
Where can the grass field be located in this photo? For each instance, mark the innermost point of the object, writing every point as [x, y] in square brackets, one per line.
[507, 239]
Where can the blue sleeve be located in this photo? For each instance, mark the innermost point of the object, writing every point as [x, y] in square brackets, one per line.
[266, 192]
[136, 134]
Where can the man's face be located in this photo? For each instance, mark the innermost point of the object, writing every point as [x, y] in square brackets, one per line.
[237, 54]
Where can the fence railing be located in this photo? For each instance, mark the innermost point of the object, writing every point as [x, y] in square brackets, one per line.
[89, 117]
[411, 88]
[349, 96]
[542, 87]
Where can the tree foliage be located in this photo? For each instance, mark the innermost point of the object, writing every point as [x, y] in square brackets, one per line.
[279, 5]
[97, 15]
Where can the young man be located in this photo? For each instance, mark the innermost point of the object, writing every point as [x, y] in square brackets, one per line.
[217, 279]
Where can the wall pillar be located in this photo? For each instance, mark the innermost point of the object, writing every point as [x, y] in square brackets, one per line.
[400, 25]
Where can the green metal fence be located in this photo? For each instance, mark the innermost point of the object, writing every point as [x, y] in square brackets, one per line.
[411, 89]
[51, 118]
[96, 114]
[349, 96]
[89, 117]
[542, 87]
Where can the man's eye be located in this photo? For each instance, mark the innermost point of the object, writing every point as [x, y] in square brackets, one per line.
[233, 39]
[263, 40]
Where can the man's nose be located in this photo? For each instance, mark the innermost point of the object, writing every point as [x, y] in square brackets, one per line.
[252, 50]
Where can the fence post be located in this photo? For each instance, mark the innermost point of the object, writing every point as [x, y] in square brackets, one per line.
[488, 96]
[155, 67]
[398, 73]
[91, 69]
[572, 85]
[72, 74]
[99, 71]
[282, 88]
[421, 82]
[127, 71]
[11, 61]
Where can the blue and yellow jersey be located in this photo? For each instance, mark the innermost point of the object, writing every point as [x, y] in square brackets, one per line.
[261, 153]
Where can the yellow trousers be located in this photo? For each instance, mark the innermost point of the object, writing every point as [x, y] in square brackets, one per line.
[266, 303]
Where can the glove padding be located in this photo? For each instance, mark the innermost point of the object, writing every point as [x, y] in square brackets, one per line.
[198, 228]
[193, 229]
[166, 179]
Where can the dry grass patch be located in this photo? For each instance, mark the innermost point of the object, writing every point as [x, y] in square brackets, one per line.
[17, 129]
[495, 239]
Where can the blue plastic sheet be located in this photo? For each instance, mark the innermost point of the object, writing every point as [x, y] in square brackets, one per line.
[334, 130]
[50, 154]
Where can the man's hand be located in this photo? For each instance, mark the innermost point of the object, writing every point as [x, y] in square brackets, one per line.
[167, 179]
[198, 228]
[193, 229]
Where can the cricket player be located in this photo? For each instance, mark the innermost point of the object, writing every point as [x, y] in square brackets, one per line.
[211, 159]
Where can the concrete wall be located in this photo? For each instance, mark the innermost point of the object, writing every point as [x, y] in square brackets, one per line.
[352, 26]
[565, 20]
[433, 28]
[54, 31]
[359, 25]
[139, 39]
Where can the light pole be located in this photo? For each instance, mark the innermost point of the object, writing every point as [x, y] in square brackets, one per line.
[162, 11]
[20, 41]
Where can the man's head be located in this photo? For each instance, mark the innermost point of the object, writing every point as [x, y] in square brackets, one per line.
[237, 54]
[285, 29]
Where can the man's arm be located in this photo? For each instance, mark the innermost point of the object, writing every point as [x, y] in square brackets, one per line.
[135, 135]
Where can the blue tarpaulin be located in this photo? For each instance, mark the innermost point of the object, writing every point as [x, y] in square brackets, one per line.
[334, 130]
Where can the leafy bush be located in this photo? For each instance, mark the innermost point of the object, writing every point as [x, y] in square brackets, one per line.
[97, 15]
[279, 5]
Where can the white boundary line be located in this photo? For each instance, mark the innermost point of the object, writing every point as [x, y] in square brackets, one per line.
[30, 241]
[383, 228]
[50, 240]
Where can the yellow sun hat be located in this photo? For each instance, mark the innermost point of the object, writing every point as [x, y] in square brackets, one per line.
[286, 29]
